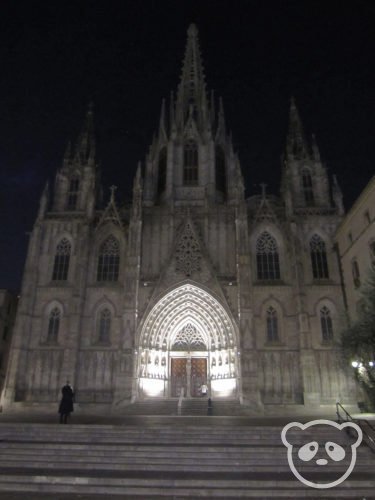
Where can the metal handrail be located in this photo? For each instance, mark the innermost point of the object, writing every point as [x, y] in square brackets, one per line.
[339, 405]
[370, 440]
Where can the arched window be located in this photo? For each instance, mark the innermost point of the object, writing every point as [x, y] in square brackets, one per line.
[61, 264]
[272, 326]
[53, 325]
[109, 260]
[73, 193]
[318, 258]
[191, 164]
[356, 274]
[104, 326]
[162, 170]
[268, 267]
[326, 324]
[307, 187]
[220, 170]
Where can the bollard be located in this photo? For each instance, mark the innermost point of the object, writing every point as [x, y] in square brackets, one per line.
[209, 407]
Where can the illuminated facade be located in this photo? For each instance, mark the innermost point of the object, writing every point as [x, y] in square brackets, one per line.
[191, 285]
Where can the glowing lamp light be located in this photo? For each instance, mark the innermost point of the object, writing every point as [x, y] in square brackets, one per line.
[356, 364]
[371, 363]
[153, 387]
[223, 387]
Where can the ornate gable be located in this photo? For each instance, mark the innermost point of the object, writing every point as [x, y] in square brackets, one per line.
[111, 213]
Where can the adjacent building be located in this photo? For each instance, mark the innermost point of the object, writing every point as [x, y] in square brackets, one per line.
[356, 246]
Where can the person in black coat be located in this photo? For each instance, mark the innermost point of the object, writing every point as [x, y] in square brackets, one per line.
[66, 403]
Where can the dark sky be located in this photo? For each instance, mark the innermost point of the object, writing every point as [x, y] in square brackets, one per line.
[126, 56]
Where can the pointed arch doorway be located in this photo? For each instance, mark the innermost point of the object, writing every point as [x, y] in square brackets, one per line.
[188, 339]
[188, 358]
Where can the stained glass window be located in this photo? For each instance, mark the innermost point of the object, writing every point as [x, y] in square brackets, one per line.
[268, 267]
[318, 258]
[104, 326]
[191, 164]
[326, 324]
[109, 260]
[61, 264]
[53, 325]
[272, 326]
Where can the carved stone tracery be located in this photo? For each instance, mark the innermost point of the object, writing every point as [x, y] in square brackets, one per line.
[188, 253]
[189, 339]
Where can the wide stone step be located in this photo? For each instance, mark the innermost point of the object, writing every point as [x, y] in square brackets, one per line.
[167, 465]
[259, 453]
[61, 431]
[188, 488]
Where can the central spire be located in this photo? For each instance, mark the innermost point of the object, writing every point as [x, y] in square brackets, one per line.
[296, 143]
[191, 96]
[85, 147]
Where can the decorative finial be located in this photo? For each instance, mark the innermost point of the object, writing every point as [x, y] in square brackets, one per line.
[263, 187]
[192, 30]
[113, 189]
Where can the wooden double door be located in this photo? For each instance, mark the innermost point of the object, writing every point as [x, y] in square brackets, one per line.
[188, 374]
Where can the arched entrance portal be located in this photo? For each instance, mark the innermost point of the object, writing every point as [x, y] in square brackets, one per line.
[187, 340]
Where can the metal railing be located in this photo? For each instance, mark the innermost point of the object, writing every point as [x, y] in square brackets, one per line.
[367, 428]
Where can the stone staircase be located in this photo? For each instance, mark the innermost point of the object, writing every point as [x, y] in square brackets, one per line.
[151, 407]
[224, 407]
[196, 406]
[173, 457]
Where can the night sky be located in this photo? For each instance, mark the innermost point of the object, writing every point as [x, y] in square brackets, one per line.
[126, 56]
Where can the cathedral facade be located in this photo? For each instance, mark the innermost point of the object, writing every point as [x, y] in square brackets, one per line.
[190, 285]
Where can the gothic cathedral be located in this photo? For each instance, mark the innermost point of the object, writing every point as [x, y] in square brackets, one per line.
[192, 284]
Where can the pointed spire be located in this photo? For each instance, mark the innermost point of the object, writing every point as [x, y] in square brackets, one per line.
[138, 178]
[43, 203]
[137, 193]
[172, 118]
[85, 148]
[221, 133]
[162, 126]
[112, 189]
[315, 149]
[337, 196]
[192, 87]
[212, 108]
[296, 143]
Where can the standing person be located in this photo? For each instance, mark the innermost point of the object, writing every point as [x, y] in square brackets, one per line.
[66, 403]
[204, 390]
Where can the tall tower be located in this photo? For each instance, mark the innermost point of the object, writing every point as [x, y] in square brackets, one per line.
[191, 158]
[76, 183]
[305, 183]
